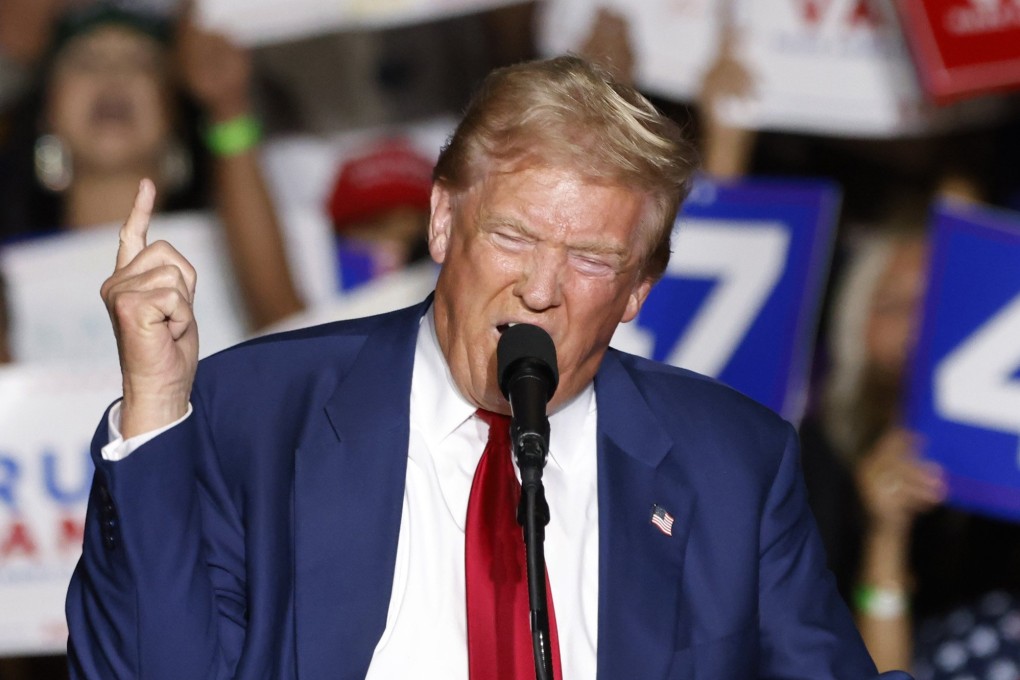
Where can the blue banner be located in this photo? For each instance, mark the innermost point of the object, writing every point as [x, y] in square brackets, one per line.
[965, 385]
[740, 299]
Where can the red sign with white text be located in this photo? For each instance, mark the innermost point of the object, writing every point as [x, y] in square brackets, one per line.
[964, 47]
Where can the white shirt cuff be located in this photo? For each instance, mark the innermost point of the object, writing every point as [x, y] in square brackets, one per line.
[119, 448]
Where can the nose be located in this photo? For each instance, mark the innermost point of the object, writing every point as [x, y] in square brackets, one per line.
[540, 282]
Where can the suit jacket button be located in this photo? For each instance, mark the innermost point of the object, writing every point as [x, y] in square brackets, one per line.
[109, 542]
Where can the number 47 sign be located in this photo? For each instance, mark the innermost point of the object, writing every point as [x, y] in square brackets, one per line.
[740, 297]
[965, 388]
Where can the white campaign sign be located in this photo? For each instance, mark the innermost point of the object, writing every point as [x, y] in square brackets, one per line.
[53, 289]
[831, 66]
[258, 22]
[834, 67]
[47, 416]
[673, 42]
[976, 384]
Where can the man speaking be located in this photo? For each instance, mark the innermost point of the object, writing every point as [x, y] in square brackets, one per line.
[332, 502]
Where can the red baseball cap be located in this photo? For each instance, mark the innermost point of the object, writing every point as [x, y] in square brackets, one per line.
[392, 174]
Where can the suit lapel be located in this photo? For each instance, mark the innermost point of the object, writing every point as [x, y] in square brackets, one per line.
[344, 536]
[641, 621]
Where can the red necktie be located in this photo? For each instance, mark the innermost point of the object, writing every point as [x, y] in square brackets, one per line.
[498, 612]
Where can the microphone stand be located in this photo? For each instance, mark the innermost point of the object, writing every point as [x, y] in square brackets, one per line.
[530, 450]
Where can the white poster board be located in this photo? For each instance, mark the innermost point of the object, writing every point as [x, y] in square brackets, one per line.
[839, 67]
[47, 417]
[673, 41]
[831, 67]
[261, 22]
[53, 289]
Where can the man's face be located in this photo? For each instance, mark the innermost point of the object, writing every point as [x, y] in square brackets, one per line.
[542, 246]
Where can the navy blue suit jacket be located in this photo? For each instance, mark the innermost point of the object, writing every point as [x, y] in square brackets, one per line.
[258, 538]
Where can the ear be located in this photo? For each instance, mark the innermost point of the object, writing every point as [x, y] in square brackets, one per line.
[637, 299]
[440, 222]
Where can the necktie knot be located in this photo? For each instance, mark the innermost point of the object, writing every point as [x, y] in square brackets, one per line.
[499, 424]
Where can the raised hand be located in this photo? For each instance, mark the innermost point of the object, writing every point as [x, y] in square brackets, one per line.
[215, 70]
[609, 43]
[895, 484]
[149, 297]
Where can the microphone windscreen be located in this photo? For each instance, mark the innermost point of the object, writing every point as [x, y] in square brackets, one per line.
[525, 342]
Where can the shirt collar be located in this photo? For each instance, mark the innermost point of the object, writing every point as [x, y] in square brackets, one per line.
[566, 426]
[435, 398]
[440, 408]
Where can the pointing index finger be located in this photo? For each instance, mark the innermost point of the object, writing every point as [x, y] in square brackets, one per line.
[132, 234]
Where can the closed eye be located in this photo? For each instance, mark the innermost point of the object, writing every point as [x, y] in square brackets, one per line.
[592, 266]
[511, 240]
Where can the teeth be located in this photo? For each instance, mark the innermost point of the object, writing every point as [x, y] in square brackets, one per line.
[511, 324]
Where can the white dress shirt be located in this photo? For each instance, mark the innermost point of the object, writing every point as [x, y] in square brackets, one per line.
[426, 625]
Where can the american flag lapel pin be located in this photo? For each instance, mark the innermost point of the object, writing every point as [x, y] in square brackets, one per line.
[662, 519]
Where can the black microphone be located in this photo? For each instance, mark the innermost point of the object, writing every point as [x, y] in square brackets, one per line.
[526, 359]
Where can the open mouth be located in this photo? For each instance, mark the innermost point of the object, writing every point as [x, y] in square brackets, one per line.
[112, 109]
[503, 326]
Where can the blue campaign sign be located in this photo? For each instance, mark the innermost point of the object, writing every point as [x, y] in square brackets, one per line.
[965, 385]
[740, 299]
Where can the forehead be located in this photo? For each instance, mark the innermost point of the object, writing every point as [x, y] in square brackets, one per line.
[560, 200]
[110, 37]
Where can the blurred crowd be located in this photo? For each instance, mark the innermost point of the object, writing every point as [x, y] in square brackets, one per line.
[341, 131]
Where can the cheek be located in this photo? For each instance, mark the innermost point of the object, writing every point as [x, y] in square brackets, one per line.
[594, 310]
[69, 103]
[887, 340]
[153, 109]
[490, 267]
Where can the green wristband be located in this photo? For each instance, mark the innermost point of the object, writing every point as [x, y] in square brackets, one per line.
[234, 136]
[880, 603]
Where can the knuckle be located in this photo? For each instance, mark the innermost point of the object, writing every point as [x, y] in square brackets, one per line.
[163, 249]
[169, 274]
[123, 305]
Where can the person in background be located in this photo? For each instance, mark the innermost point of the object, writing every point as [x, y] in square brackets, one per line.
[902, 558]
[112, 107]
[725, 150]
[379, 207]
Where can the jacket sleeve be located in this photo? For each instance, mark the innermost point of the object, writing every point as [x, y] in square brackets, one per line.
[807, 631]
[152, 595]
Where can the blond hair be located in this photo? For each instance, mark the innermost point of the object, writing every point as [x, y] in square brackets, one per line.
[846, 404]
[569, 112]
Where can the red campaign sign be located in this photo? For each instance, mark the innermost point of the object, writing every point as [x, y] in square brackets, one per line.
[964, 47]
